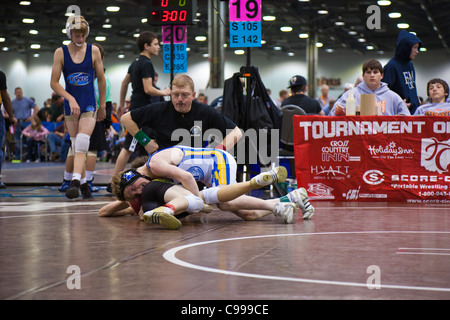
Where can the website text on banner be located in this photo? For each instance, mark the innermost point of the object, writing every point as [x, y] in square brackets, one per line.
[374, 158]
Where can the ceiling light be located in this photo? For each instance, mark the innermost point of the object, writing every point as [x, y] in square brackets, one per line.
[5, 49]
[394, 15]
[384, 3]
[339, 23]
[352, 33]
[286, 29]
[24, 3]
[303, 35]
[36, 55]
[361, 40]
[121, 56]
[423, 49]
[35, 46]
[291, 54]
[205, 55]
[200, 38]
[239, 52]
[144, 20]
[107, 26]
[112, 9]
[2, 39]
[27, 20]
[277, 48]
[370, 47]
[34, 32]
[319, 44]
[100, 38]
[269, 18]
[403, 26]
[329, 50]
[66, 42]
[322, 12]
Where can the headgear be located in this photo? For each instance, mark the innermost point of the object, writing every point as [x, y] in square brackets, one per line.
[127, 178]
[75, 22]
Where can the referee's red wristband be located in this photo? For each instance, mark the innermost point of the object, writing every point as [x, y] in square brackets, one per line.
[221, 147]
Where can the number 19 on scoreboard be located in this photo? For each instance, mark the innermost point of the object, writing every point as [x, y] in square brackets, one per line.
[245, 23]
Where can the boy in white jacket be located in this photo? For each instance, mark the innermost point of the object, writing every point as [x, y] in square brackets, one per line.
[387, 101]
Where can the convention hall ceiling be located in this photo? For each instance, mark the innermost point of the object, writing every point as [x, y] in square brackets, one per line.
[344, 25]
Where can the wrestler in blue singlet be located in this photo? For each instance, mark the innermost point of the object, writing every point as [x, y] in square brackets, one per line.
[213, 167]
[80, 81]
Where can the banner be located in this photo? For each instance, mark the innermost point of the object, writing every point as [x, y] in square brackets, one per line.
[373, 158]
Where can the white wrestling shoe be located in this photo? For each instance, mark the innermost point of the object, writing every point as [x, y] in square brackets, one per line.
[300, 198]
[278, 174]
[285, 210]
[163, 216]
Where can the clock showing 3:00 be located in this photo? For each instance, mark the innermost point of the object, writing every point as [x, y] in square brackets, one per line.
[170, 12]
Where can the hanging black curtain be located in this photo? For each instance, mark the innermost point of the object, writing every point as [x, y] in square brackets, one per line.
[254, 112]
[259, 112]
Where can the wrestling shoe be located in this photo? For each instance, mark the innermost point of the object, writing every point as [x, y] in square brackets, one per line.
[162, 216]
[64, 186]
[278, 174]
[300, 198]
[86, 191]
[74, 189]
[285, 210]
[92, 188]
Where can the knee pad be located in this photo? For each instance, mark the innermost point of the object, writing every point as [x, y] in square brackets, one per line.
[195, 203]
[82, 143]
[210, 195]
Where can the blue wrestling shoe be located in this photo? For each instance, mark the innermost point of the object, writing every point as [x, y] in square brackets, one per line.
[65, 185]
[92, 188]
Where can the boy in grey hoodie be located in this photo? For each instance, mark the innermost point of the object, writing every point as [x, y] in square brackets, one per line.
[387, 101]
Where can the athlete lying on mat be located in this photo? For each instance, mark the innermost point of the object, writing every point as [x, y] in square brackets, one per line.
[213, 168]
[136, 188]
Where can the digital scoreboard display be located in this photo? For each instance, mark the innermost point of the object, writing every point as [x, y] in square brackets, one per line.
[170, 12]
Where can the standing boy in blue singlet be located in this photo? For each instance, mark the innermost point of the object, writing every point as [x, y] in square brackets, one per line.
[80, 62]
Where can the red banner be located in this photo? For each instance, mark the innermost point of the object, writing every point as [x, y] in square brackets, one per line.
[373, 158]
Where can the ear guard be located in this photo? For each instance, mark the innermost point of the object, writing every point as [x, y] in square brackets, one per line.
[72, 21]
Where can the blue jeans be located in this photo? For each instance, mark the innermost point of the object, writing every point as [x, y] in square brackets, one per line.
[18, 131]
[54, 141]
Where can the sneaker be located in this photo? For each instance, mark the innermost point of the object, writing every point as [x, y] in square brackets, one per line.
[92, 188]
[74, 189]
[65, 185]
[2, 185]
[278, 174]
[300, 198]
[285, 210]
[86, 191]
[162, 216]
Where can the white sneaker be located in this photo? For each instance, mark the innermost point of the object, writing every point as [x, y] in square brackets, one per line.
[278, 174]
[163, 216]
[285, 210]
[300, 198]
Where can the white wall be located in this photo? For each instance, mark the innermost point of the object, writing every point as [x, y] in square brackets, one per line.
[33, 74]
